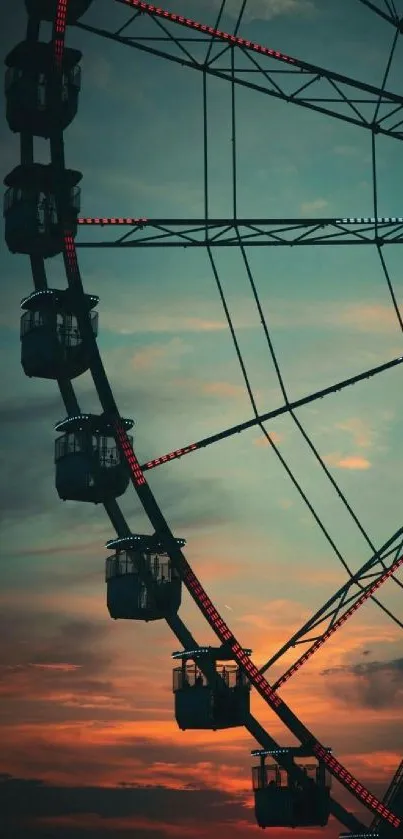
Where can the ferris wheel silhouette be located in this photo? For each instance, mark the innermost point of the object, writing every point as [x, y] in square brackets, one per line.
[94, 454]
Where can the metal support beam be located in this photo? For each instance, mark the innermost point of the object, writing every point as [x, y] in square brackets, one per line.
[268, 71]
[250, 232]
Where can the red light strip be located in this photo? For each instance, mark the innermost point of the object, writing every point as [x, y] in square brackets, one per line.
[59, 32]
[256, 678]
[128, 453]
[209, 30]
[171, 456]
[316, 646]
[121, 220]
[61, 17]
[70, 253]
[358, 789]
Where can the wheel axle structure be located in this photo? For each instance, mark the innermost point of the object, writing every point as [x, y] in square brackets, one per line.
[95, 458]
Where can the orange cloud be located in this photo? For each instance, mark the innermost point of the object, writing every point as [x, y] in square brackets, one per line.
[353, 462]
[147, 358]
[200, 325]
[360, 430]
[312, 207]
[80, 602]
[215, 568]
[382, 765]
[263, 441]
[63, 667]
[372, 317]
[128, 323]
[224, 389]
[227, 390]
[119, 749]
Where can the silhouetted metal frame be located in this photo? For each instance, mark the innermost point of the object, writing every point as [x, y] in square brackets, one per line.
[369, 592]
[143, 491]
[233, 232]
[390, 15]
[308, 75]
[205, 605]
[395, 787]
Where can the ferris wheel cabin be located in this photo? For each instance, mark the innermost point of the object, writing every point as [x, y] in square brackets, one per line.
[128, 597]
[89, 466]
[47, 9]
[30, 105]
[32, 224]
[51, 343]
[282, 802]
[198, 704]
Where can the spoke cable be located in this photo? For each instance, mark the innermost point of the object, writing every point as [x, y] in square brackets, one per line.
[282, 385]
[378, 240]
[303, 432]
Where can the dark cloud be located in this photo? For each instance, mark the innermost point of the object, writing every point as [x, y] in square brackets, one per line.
[193, 502]
[26, 452]
[27, 485]
[56, 673]
[47, 639]
[22, 799]
[66, 832]
[375, 684]
[45, 654]
[18, 411]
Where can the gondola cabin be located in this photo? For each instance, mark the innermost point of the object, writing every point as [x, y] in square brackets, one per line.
[280, 801]
[89, 466]
[47, 9]
[30, 97]
[51, 343]
[32, 223]
[224, 703]
[136, 560]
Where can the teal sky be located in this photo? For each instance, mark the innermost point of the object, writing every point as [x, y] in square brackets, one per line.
[170, 359]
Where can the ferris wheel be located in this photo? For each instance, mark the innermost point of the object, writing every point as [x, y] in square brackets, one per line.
[94, 454]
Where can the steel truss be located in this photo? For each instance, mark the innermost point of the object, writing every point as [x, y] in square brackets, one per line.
[386, 12]
[281, 76]
[341, 606]
[254, 232]
[393, 793]
[141, 487]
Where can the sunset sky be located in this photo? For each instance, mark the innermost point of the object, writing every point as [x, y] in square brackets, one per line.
[89, 745]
